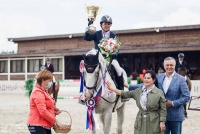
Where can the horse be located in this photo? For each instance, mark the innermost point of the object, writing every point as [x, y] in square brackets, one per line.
[93, 79]
[51, 90]
[182, 71]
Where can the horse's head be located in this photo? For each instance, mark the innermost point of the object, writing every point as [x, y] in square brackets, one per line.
[42, 67]
[92, 72]
[182, 71]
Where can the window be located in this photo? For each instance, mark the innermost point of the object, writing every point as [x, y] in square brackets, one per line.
[17, 66]
[57, 64]
[74, 64]
[3, 66]
[34, 65]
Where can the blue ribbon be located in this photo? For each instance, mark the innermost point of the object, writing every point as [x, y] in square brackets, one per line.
[90, 111]
[81, 83]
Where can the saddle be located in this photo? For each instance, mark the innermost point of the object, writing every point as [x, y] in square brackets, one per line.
[113, 74]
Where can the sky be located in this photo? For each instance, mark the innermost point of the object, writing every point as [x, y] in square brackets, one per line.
[28, 18]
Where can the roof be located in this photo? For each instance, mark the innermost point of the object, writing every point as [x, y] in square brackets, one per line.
[76, 35]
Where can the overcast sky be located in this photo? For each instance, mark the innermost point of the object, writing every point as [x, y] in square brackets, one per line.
[26, 18]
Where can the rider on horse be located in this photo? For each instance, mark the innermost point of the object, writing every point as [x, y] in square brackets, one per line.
[182, 71]
[50, 68]
[105, 33]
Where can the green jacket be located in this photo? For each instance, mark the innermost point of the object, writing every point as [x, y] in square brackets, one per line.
[148, 122]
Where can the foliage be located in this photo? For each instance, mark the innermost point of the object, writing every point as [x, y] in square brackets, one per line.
[139, 80]
[129, 79]
[29, 87]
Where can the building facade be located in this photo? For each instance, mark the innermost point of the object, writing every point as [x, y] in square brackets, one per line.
[140, 49]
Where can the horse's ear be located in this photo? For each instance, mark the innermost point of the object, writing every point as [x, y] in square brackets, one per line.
[97, 55]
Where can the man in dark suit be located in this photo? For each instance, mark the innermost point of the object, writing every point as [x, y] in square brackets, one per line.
[180, 62]
[176, 92]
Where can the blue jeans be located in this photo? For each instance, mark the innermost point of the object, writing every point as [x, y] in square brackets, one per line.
[38, 130]
[133, 87]
[175, 127]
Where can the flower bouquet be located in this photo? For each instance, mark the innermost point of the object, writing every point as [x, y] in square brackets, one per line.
[109, 46]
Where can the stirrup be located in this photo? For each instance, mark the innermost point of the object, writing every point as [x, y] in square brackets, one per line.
[125, 99]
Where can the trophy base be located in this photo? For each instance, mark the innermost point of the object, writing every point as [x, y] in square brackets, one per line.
[91, 29]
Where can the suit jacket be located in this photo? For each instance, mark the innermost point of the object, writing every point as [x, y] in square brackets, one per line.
[97, 36]
[50, 68]
[178, 92]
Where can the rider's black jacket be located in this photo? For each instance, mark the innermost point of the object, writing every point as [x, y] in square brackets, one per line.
[50, 68]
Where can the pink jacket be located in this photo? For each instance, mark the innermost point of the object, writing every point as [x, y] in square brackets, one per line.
[42, 108]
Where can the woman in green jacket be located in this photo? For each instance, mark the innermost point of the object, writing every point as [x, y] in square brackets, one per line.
[150, 100]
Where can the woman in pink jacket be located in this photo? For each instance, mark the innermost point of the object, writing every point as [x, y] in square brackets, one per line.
[42, 106]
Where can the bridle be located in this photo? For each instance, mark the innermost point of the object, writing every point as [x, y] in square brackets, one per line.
[93, 68]
[96, 82]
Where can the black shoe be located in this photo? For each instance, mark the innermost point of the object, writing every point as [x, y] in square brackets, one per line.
[81, 102]
[186, 116]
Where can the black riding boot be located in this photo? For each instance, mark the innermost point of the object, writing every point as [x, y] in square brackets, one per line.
[54, 90]
[185, 112]
[121, 86]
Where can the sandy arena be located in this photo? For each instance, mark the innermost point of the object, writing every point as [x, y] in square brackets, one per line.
[14, 112]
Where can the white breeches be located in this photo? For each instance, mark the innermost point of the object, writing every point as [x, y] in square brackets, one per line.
[117, 67]
[54, 80]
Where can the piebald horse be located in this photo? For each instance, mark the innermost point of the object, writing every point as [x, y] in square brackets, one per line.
[95, 73]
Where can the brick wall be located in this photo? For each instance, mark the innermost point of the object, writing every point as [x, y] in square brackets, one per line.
[151, 38]
[182, 37]
[142, 39]
[3, 77]
[30, 45]
[56, 44]
[58, 76]
[30, 76]
[17, 77]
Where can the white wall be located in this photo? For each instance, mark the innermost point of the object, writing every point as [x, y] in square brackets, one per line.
[69, 86]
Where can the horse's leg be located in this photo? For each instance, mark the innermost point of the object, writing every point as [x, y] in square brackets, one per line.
[101, 118]
[107, 118]
[120, 118]
[54, 91]
[57, 90]
[94, 130]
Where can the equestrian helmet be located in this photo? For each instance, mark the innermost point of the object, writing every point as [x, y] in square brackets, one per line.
[106, 19]
[48, 59]
[180, 55]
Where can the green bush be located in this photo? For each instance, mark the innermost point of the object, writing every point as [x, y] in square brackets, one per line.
[139, 80]
[29, 87]
[129, 80]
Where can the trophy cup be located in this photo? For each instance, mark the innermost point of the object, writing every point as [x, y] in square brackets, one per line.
[92, 12]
